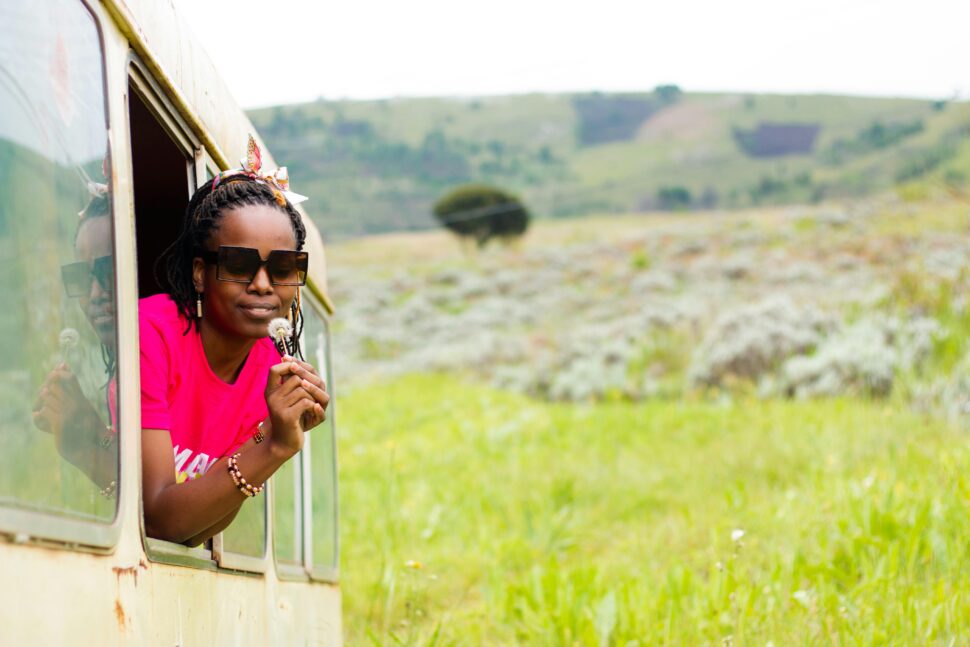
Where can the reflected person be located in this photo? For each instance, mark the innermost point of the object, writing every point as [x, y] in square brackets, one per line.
[81, 436]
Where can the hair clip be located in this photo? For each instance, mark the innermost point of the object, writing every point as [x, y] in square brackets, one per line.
[252, 167]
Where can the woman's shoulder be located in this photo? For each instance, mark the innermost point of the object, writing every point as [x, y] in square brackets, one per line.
[160, 311]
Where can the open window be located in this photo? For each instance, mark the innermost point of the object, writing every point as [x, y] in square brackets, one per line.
[167, 166]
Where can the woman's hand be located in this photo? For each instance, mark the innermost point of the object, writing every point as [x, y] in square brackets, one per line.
[62, 410]
[317, 388]
[289, 396]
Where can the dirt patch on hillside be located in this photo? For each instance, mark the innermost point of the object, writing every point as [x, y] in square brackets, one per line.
[689, 121]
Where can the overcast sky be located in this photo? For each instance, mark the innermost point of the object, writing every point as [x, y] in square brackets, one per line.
[367, 49]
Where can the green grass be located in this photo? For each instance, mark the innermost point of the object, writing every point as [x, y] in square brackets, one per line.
[471, 516]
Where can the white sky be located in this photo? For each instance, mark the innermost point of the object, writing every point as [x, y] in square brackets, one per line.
[367, 49]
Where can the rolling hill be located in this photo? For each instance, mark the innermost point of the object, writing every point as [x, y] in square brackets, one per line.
[377, 166]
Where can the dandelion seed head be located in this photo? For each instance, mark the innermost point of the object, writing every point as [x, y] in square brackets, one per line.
[69, 338]
[280, 329]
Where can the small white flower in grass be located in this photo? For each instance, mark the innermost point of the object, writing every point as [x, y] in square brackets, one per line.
[279, 331]
[803, 598]
[736, 535]
[411, 563]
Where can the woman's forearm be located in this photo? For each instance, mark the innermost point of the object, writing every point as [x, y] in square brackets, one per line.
[213, 530]
[187, 511]
[88, 452]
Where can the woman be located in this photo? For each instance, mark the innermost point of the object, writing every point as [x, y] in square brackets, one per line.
[61, 408]
[221, 411]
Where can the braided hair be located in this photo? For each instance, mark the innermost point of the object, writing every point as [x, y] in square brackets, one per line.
[99, 207]
[173, 269]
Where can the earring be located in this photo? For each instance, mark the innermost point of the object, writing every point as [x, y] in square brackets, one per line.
[198, 305]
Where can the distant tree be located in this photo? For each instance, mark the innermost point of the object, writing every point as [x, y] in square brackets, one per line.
[667, 93]
[709, 198]
[673, 198]
[480, 212]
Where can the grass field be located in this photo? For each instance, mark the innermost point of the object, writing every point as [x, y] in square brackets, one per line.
[471, 516]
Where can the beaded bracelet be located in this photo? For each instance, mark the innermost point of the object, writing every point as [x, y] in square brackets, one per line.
[248, 489]
[110, 490]
[108, 438]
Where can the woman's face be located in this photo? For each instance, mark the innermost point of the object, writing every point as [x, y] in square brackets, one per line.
[244, 310]
[94, 241]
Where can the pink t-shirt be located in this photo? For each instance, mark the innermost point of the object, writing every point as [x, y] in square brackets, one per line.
[206, 417]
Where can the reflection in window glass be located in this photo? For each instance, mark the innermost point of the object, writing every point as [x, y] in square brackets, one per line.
[57, 326]
[323, 460]
[287, 510]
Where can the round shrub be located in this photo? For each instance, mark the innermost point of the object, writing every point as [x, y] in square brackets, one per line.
[482, 212]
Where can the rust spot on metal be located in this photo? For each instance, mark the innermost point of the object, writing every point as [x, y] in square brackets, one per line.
[120, 615]
[126, 571]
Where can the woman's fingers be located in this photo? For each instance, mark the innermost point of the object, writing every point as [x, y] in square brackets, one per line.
[289, 385]
[295, 396]
[277, 376]
[308, 372]
[316, 392]
[42, 422]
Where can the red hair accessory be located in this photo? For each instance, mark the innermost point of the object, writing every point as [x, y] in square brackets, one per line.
[252, 167]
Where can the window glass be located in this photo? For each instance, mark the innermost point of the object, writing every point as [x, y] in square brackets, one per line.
[323, 463]
[57, 325]
[246, 535]
[287, 513]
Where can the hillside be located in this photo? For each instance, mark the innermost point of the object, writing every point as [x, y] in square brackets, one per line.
[377, 166]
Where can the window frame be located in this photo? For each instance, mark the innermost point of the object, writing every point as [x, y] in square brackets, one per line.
[229, 560]
[324, 574]
[28, 525]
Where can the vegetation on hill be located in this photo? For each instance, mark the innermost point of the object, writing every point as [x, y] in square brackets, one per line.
[374, 166]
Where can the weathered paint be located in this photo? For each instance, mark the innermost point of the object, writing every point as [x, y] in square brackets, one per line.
[53, 594]
[59, 597]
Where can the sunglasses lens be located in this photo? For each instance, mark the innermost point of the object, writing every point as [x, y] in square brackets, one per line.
[241, 264]
[238, 264]
[103, 270]
[287, 268]
[76, 279]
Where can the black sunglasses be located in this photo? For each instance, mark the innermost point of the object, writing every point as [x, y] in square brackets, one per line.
[77, 277]
[241, 264]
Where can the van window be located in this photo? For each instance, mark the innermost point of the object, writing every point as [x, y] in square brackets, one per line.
[57, 325]
[323, 458]
[247, 533]
[287, 492]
